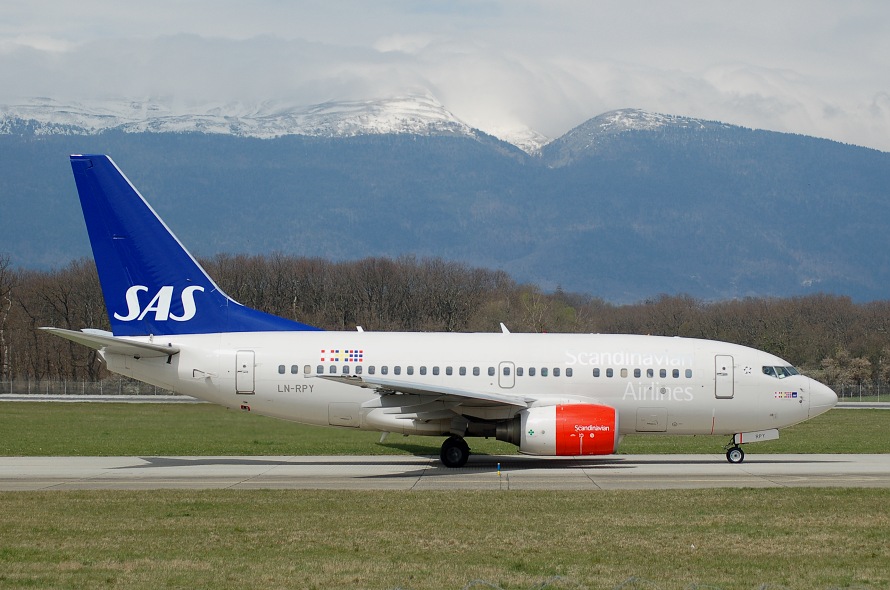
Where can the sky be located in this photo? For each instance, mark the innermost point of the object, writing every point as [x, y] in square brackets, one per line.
[814, 67]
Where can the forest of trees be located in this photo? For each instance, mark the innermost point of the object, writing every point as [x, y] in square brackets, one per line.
[829, 337]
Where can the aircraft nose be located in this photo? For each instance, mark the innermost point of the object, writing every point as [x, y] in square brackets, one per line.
[822, 398]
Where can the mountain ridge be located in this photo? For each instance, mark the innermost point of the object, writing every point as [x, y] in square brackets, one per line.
[418, 114]
[409, 114]
[632, 205]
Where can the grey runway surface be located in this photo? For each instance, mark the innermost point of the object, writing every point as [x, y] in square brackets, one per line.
[426, 473]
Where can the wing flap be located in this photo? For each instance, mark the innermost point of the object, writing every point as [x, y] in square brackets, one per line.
[384, 386]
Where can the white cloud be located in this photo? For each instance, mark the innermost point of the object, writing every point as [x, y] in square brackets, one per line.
[403, 43]
[816, 67]
[37, 42]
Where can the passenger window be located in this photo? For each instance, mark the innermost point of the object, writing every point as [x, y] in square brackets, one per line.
[624, 373]
[596, 372]
[662, 373]
[411, 370]
[345, 369]
[638, 373]
[689, 373]
[519, 371]
[650, 373]
[358, 369]
[675, 373]
[463, 371]
[423, 370]
[384, 370]
[397, 370]
[294, 370]
[569, 372]
[319, 369]
[556, 372]
[506, 371]
[543, 371]
[435, 370]
[491, 371]
[449, 371]
[332, 369]
[307, 369]
[281, 369]
[609, 372]
[475, 371]
[531, 371]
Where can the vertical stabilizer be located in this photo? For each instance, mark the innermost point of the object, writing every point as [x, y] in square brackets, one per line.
[151, 284]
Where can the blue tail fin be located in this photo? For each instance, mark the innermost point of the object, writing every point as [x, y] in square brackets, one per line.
[151, 284]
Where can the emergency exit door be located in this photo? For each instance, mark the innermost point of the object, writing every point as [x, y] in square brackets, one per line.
[506, 375]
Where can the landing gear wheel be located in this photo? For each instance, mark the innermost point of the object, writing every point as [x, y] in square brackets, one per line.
[735, 455]
[455, 452]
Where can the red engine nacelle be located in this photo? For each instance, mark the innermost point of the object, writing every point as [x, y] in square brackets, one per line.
[570, 429]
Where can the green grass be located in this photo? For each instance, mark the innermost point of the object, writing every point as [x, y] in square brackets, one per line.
[855, 398]
[728, 539]
[667, 539]
[837, 431]
[34, 429]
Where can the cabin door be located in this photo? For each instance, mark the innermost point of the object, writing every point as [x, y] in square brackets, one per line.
[724, 378]
[244, 365]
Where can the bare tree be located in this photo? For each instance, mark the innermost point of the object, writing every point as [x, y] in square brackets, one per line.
[843, 342]
[7, 284]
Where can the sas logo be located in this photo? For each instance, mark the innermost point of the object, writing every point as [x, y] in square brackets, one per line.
[160, 304]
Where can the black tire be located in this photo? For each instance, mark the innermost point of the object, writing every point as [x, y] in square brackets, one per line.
[735, 455]
[455, 452]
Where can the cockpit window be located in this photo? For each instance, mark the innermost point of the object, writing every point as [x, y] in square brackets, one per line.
[780, 372]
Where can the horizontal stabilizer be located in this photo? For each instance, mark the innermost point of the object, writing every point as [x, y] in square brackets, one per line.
[110, 344]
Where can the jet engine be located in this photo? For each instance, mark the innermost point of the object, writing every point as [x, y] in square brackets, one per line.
[567, 429]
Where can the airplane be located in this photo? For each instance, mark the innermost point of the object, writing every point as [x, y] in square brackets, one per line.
[548, 394]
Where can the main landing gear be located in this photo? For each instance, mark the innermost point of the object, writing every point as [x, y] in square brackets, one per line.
[455, 452]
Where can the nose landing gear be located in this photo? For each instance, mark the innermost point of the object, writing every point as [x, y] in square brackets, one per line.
[734, 453]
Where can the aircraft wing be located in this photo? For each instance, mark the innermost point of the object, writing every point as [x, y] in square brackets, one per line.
[106, 342]
[384, 386]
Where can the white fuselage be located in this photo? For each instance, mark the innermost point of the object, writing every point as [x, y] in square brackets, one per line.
[656, 384]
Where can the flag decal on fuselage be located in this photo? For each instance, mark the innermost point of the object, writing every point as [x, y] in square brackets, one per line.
[342, 356]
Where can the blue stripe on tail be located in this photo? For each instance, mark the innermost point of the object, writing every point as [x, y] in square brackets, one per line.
[151, 284]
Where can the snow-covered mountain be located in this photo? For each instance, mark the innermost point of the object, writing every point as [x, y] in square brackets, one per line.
[418, 115]
[679, 203]
[624, 120]
[596, 134]
[410, 114]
